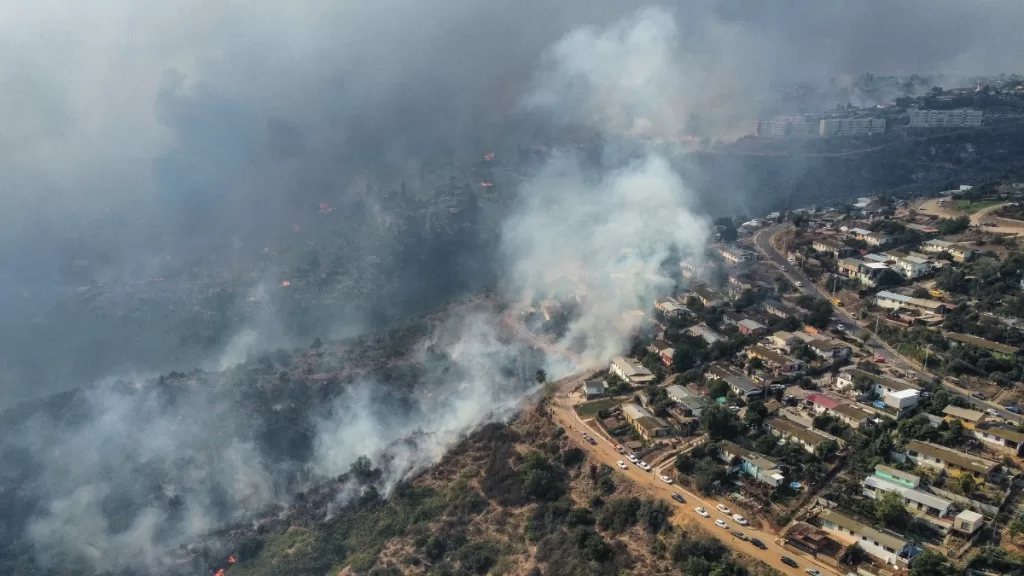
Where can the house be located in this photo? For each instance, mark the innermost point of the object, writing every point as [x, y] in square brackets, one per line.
[830, 349]
[647, 424]
[738, 382]
[852, 415]
[757, 466]
[968, 522]
[893, 301]
[917, 501]
[594, 389]
[790, 431]
[959, 252]
[969, 418]
[690, 404]
[878, 258]
[779, 363]
[875, 239]
[858, 233]
[912, 266]
[706, 333]
[889, 474]
[995, 348]
[734, 256]
[885, 545]
[834, 248]
[850, 266]
[631, 371]
[751, 327]
[1000, 438]
[783, 340]
[781, 309]
[898, 394]
[707, 296]
[670, 307]
[870, 271]
[657, 346]
[952, 461]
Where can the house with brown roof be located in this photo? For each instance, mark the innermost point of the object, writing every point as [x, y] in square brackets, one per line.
[790, 431]
[995, 348]
[969, 418]
[885, 545]
[954, 462]
[779, 363]
[1001, 438]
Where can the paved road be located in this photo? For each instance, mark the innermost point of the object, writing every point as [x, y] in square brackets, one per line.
[762, 241]
[604, 452]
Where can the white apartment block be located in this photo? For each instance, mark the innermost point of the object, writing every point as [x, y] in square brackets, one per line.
[961, 118]
[851, 126]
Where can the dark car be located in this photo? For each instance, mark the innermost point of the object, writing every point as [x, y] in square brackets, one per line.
[740, 535]
[789, 562]
[678, 498]
[592, 441]
[977, 395]
[1013, 409]
[758, 543]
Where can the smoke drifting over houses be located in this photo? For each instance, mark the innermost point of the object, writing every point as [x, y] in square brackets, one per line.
[145, 140]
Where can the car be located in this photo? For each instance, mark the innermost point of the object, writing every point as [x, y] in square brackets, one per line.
[678, 498]
[700, 510]
[723, 509]
[799, 284]
[977, 395]
[583, 433]
[644, 465]
[631, 458]
[592, 441]
[789, 562]
[758, 543]
[841, 327]
[880, 359]
[739, 535]
[784, 268]
[621, 464]
[1014, 409]
[666, 479]
[721, 524]
[813, 572]
[992, 412]
[739, 520]
[620, 449]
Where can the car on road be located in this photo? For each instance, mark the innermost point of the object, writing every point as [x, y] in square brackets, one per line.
[721, 524]
[739, 535]
[1014, 409]
[758, 543]
[880, 359]
[739, 520]
[666, 479]
[621, 464]
[583, 433]
[789, 562]
[678, 498]
[631, 458]
[644, 465]
[813, 572]
[620, 449]
[799, 284]
[784, 268]
[700, 510]
[592, 441]
[977, 395]
[992, 412]
[723, 509]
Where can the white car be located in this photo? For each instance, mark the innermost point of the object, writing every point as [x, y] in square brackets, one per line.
[723, 509]
[700, 510]
[721, 524]
[621, 464]
[631, 458]
[799, 284]
[666, 479]
[813, 572]
[645, 466]
[739, 520]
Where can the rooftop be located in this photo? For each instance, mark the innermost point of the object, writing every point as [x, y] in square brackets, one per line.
[859, 528]
[1001, 432]
[636, 411]
[884, 381]
[897, 473]
[702, 291]
[969, 516]
[962, 459]
[908, 493]
[630, 367]
[789, 428]
[981, 343]
[769, 355]
[733, 377]
[964, 413]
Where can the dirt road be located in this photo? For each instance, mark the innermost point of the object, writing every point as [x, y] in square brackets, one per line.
[604, 452]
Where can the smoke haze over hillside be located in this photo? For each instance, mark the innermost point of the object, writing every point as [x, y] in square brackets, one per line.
[201, 141]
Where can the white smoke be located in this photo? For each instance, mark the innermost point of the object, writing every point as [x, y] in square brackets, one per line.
[608, 229]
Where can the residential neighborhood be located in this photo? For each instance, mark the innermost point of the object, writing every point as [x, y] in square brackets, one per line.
[842, 376]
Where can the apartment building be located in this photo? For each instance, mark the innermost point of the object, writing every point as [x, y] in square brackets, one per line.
[851, 126]
[792, 432]
[887, 546]
[952, 461]
[960, 118]
[631, 371]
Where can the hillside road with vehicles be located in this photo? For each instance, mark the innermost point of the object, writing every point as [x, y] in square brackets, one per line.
[604, 451]
[764, 245]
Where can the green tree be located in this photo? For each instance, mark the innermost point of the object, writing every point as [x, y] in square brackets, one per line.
[826, 449]
[718, 422]
[755, 415]
[718, 389]
[931, 563]
[1015, 527]
[766, 444]
[966, 484]
[890, 510]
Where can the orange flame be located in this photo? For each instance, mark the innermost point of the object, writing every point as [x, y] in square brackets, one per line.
[219, 572]
[231, 560]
